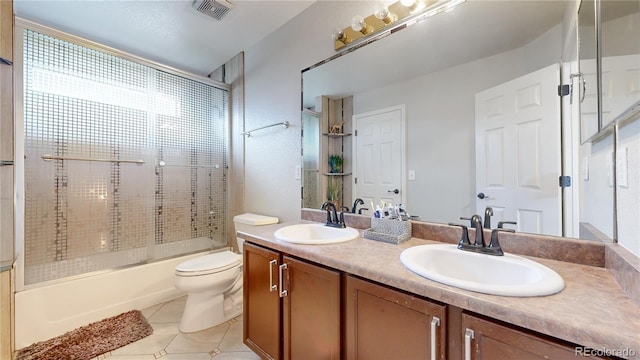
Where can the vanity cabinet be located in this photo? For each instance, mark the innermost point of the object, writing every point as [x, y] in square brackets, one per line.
[261, 304]
[484, 339]
[291, 307]
[383, 323]
[295, 309]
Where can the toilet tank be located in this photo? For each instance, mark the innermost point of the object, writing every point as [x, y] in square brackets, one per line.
[253, 220]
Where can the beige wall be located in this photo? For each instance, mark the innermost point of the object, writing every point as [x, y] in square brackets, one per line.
[234, 75]
[272, 88]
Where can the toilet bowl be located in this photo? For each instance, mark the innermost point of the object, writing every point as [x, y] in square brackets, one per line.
[213, 283]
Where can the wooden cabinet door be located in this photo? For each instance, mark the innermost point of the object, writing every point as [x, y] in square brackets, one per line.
[382, 323]
[261, 303]
[311, 311]
[491, 340]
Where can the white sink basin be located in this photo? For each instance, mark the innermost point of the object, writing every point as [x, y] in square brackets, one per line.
[508, 275]
[315, 234]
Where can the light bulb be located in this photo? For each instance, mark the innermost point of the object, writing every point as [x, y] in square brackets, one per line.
[384, 15]
[340, 36]
[358, 24]
[407, 3]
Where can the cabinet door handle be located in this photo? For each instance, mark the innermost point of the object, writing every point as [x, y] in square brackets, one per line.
[272, 286]
[468, 335]
[435, 322]
[281, 269]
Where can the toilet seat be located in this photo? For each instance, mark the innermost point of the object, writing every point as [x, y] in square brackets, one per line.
[209, 264]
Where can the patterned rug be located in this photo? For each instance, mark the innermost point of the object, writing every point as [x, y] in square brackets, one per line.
[91, 340]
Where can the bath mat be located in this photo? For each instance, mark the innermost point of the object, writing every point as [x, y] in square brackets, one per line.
[91, 340]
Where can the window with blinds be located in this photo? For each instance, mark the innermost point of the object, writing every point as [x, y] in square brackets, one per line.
[123, 162]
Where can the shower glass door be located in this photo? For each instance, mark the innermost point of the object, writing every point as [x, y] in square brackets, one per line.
[124, 163]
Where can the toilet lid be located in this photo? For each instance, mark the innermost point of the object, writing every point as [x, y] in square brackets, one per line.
[208, 264]
[255, 219]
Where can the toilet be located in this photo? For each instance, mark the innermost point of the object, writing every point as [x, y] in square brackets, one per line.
[213, 282]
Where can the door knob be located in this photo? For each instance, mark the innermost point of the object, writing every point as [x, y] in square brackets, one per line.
[483, 196]
[395, 191]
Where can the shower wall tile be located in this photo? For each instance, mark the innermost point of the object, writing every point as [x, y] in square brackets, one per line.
[40, 217]
[88, 215]
[137, 202]
[87, 209]
[176, 205]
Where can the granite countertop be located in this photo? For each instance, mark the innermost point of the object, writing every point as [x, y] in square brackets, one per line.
[591, 311]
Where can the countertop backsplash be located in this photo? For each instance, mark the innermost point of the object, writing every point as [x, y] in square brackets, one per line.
[622, 264]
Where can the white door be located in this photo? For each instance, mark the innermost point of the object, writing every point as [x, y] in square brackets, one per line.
[379, 153]
[518, 152]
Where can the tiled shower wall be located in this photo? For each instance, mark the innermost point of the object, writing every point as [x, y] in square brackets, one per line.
[90, 208]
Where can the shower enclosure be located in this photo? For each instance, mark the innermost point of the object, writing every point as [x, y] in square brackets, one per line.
[123, 163]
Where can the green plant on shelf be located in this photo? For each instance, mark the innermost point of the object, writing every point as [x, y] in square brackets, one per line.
[335, 163]
[334, 187]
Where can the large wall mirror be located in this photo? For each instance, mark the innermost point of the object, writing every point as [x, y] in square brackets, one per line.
[442, 73]
[586, 79]
[620, 54]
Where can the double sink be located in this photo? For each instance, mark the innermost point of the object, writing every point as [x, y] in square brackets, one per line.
[508, 275]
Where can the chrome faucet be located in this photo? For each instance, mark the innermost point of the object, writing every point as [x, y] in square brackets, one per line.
[333, 219]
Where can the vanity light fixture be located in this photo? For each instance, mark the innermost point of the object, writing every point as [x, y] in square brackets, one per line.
[401, 13]
[341, 37]
[360, 25]
[411, 4]
[385, 15]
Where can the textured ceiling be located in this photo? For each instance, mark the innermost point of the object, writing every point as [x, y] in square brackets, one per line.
[170, 32]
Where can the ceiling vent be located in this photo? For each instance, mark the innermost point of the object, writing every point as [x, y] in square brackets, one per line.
[217, 9]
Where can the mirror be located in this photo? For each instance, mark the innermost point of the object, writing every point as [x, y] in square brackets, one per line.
[597, 200]
[620, 57]
[437, 77]
[620, 69]
[586, 79]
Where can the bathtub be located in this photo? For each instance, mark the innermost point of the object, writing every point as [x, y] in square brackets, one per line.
[48, 311]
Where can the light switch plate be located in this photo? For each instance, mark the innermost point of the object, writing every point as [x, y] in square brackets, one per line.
[585, 168]
[412, 175]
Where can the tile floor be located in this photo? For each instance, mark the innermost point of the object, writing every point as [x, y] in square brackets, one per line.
[222, 342]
